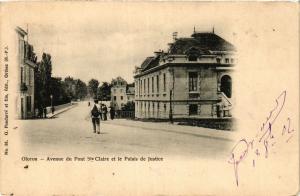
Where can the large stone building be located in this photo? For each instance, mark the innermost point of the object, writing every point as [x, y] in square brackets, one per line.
[193, 79]
[26, 59]
[121, 93]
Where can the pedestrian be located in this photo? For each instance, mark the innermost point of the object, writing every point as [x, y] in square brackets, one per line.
[45, 112]
[104, 112]
[40, 112]
[95, 115]
[101, 116]
[52, 109]
[112, 112]
[89, 103]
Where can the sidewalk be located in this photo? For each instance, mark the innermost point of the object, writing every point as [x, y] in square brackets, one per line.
[56, 112]
[179, 129]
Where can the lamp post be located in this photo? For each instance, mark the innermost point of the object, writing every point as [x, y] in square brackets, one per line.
[52, 108]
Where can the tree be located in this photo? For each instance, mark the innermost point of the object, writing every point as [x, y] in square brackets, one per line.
[43, 81]
[80, 89]
[129, 106]
[93, 87]
[59, 93]
[69, 86]
[104, 92]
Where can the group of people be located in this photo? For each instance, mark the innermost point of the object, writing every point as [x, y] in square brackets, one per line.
[99, 112]
[42, 112]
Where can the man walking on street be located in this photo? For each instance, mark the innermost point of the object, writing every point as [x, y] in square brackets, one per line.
[95, 114]
[104, 112]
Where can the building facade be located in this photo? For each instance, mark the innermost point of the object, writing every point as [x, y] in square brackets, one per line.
[121, 93]
[193, 79]
[130, 92]
[26, 59]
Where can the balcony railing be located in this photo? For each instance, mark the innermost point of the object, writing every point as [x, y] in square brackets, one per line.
[23, 87]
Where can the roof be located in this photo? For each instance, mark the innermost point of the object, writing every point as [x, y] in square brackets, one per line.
[150, 62]
[21, 31]
[118, 80]
[203, 42]
[200, 43]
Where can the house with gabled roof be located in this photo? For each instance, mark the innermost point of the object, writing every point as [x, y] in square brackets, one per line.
[193, 79]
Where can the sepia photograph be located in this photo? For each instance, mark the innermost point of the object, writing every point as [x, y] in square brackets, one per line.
[149, 98]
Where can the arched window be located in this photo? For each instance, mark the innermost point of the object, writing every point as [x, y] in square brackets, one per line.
[193, 57]
[226, 85]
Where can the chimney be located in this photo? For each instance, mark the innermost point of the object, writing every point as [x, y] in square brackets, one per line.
[175, 35]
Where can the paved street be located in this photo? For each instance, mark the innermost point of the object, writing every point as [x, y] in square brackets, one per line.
[70, 134]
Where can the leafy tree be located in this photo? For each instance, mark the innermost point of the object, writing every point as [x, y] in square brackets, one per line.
[43, 81]
[93, 87]
[104, 91]
[69, 87]
[129, 106]
[37, 87]
[59, 93]
[80, 89]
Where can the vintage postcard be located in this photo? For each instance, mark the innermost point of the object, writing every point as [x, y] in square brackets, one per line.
[149, 98]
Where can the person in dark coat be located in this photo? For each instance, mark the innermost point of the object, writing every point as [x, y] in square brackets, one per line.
[104, 112]
[45, 112]
[40, 115]
[112, 112]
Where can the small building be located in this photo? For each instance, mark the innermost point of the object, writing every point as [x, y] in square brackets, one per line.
[26, 60]
[121, 93]
[130, 92]
[193, 79]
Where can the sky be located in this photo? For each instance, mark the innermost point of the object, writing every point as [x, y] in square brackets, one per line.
[106, 40]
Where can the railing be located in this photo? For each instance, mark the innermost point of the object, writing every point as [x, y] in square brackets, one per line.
[226, 105]
[225, 100]
[124, 114]
[23, 87]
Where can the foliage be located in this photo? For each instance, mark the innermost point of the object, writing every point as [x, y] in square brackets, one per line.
[62, 91]
[43, 81]
[58, 92]
[104, 92]
[129, 106]
[93, 87]
[80, 89]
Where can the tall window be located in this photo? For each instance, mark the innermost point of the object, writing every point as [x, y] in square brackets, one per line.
[164, 85]
[193, 80]
[22, 78]
[148, 85]
[153, 109]
[140, 87]
[144, 86]
[157, 83]
[152, 84]
[29, 77]
[121, 97]
[28, 100]
[115, 98]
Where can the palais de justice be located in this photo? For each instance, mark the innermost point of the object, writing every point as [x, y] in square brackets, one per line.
[193, 79]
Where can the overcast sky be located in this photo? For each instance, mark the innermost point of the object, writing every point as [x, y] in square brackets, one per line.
[106, 40]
